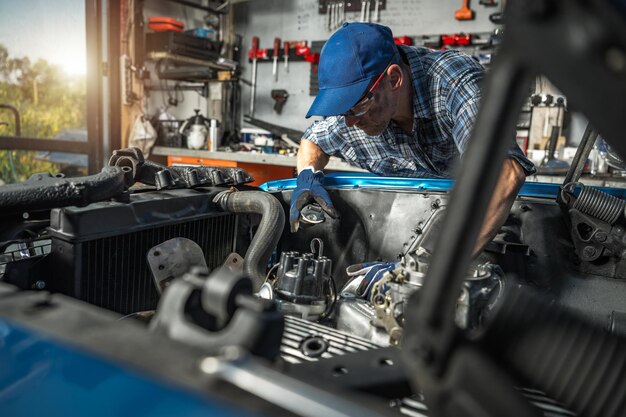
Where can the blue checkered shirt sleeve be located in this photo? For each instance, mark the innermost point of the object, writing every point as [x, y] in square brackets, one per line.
[463, 99]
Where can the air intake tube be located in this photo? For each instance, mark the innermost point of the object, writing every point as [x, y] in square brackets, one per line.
[269, 230]
[552, 349]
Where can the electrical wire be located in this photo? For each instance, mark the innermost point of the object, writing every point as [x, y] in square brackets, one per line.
[333, 297]
[267, 277]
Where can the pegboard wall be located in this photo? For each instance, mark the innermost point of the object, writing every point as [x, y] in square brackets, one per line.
[295, 20]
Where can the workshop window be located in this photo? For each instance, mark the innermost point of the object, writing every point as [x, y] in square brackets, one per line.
[43, 75]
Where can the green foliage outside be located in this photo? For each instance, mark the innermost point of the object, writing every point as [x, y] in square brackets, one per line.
[48, 101]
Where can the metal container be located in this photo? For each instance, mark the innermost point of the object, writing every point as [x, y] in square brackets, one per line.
[214, 136]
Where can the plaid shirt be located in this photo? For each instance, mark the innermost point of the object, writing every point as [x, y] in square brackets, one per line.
[445, 105]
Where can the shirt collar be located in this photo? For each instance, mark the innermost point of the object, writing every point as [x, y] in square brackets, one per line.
[421, 100]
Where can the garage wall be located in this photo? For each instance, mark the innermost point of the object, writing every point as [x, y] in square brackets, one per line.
[188, 100]
[300, 20]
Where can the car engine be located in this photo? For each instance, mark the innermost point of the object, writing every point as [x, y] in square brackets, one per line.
[185, 278]
[211, 267]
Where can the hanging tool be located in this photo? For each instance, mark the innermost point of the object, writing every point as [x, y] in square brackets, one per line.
[368, 9]
[376, 14]
[496, 18]
[342, 13]
[253, 51]
[330, 16]
[286, 55]
[279, 97]
[275, 56]
[464, 13]
[403, 40]
[363, 11]
[339, 12]
[550, 165]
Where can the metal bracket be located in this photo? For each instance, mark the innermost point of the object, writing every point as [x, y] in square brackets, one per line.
[172, 259]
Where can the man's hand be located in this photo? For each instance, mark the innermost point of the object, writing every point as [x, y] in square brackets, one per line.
[308, 189]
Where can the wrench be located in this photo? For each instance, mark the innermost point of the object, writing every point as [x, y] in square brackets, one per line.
[330, 16]
[376, 15]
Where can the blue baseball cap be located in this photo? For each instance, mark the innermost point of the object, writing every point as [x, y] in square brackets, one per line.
[350, 59]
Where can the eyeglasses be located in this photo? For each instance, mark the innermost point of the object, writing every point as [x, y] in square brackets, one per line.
[363, 105]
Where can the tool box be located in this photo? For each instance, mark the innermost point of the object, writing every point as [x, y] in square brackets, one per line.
[182, 44]
[165, 24]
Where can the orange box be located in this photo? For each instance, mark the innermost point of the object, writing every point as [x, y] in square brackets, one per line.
[261, 173]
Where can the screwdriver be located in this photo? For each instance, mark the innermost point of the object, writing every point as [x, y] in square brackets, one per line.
[254, 51]
[286, 55]
[276, 50]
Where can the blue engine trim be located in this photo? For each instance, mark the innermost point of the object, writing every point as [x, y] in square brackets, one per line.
[530, 189]
[41, 377]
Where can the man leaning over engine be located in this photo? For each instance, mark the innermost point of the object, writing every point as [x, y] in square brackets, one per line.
[396, 110]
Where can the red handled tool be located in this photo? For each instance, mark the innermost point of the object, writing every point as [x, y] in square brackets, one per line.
[253, 52]
[457, 39]
[275, 56]
[464, 13]
[403, 40]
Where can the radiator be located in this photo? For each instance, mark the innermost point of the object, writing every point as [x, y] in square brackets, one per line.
[98, 252]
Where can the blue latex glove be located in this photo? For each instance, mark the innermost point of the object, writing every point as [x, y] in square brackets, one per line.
[308, 189]
[372, 272]
[372, 276]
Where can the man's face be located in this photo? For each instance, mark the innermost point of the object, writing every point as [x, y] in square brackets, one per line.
[377, 118]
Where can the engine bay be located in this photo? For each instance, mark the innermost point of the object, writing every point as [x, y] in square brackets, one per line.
[214, 268]
[182, 284]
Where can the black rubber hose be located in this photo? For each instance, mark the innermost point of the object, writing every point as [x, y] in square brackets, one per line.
[44, 191]
[268, 233]
[551, 349]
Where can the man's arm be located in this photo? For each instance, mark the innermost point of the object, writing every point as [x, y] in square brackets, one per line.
[511, 179]
[309, 185]
[462, 77]
[309, 154]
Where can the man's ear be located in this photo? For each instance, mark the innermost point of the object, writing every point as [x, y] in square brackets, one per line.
[395, 76]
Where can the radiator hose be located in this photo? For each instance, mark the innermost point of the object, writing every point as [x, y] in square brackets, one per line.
[268, 233]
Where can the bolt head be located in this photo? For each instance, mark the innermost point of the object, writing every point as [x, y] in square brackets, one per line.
[589, 252]
[210, 365]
